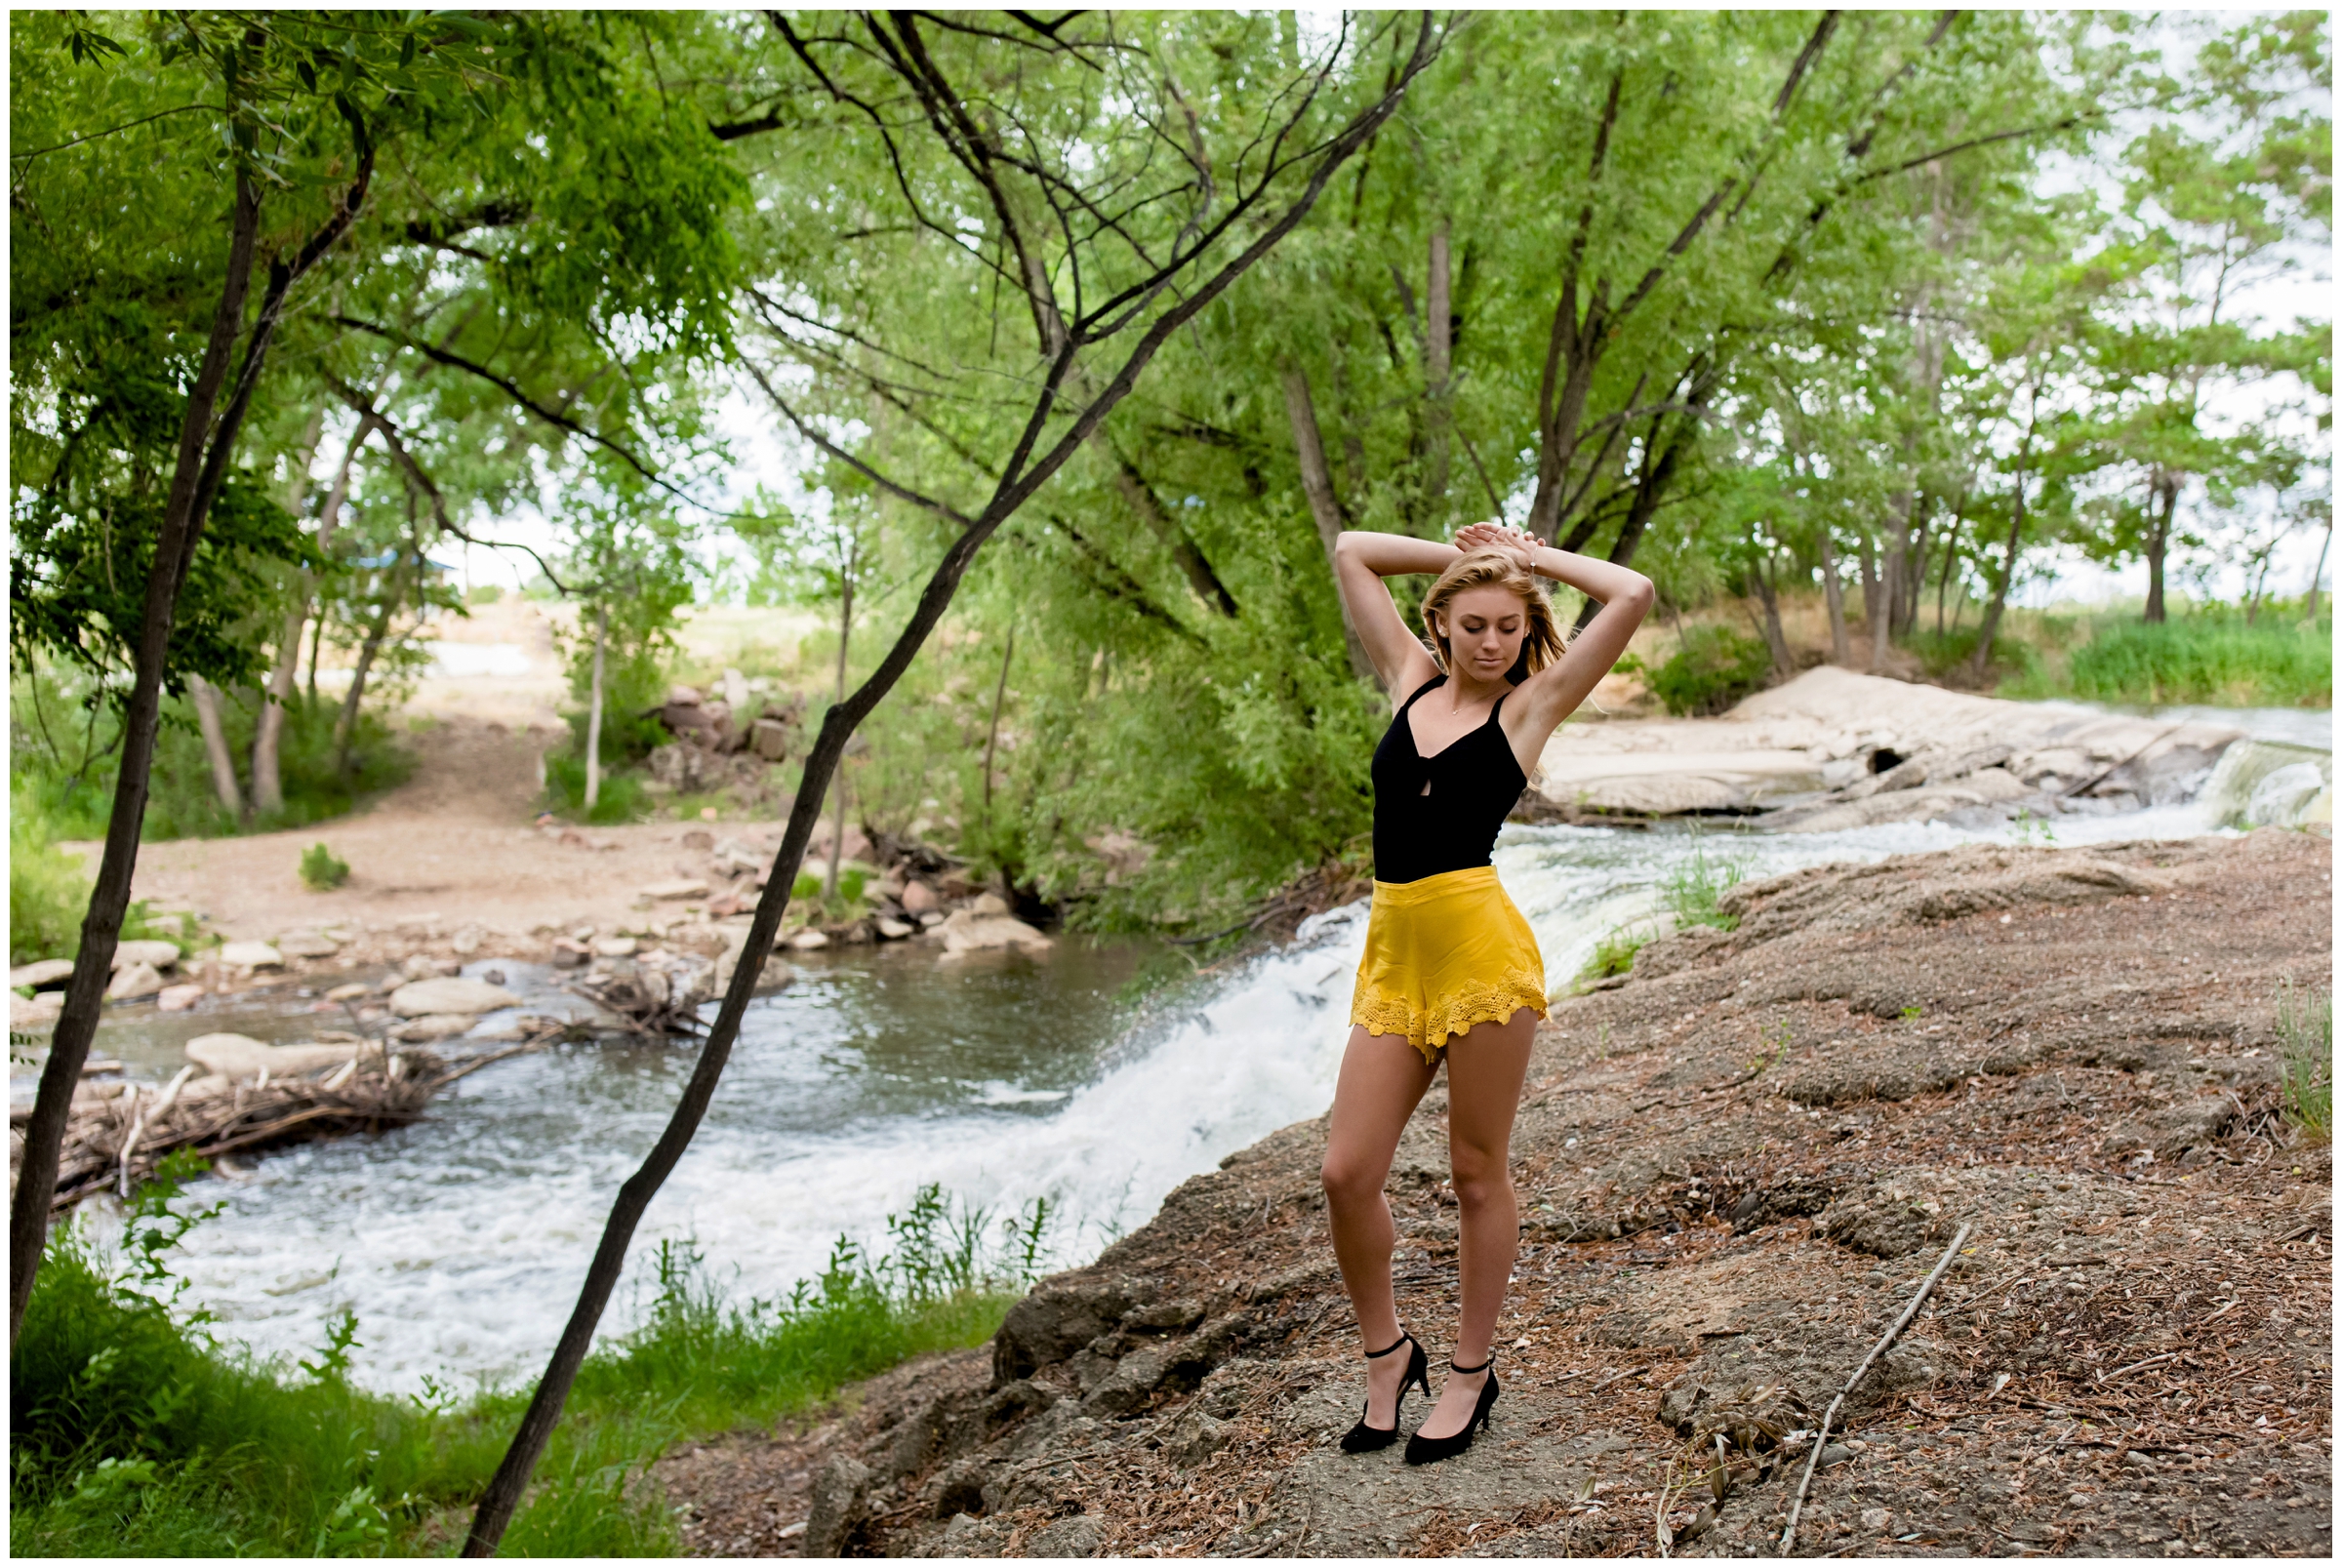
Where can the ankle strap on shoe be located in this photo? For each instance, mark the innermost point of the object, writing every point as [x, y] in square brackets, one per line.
[1468, 1371]
[1404, 1338]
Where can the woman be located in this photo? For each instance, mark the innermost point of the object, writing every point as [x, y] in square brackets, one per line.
[1451, 969]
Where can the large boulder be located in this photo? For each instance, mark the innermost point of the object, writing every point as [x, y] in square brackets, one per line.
[251, 955]
[154, 955]
[240, 1056]
[966, 931]
[46, 975]
[30, 1015]
[424, 997]
[133, 983]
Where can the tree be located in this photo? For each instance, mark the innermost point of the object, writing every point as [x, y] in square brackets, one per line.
[1060, 160]
[2206, 215]
[269, 125]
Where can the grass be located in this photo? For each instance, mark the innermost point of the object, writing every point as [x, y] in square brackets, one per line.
[2304, 1033]
[1614, 953]
[49, 891]
[136, 1433]
[1691, 891]
[62, 754]
[2209, 656]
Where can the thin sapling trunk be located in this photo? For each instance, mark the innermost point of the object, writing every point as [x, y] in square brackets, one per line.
[593, 710]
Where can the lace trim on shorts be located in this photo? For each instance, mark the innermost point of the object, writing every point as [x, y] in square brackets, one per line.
[1385, 1012]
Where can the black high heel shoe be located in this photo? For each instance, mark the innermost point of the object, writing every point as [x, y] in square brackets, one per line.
[1422, 1450]
[1365, 1439]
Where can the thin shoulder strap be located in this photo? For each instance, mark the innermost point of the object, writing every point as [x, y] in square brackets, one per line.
[1435, 680]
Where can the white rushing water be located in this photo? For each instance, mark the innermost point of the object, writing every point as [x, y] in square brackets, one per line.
[459, 1242]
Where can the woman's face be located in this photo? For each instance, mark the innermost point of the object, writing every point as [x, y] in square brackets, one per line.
[1484, 629]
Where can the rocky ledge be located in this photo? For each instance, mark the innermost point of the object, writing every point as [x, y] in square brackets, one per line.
[1735, 1168]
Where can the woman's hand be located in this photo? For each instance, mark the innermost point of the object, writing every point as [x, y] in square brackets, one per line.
[1499, 537]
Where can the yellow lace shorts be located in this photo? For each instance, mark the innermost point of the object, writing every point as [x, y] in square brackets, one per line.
[1442, 954]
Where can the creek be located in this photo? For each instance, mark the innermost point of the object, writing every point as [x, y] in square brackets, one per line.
[460, 1241]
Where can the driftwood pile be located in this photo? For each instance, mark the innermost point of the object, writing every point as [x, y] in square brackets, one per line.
[118, 1134]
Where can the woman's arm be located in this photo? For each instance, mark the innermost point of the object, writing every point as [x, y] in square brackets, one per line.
[1360, 563]
[1554, 692]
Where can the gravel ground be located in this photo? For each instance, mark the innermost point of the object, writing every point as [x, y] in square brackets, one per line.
[1735, 1167]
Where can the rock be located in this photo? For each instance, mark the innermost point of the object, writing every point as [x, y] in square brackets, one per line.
[418, 966]
[568, 954]
[840, 1495]
[433, 1026]
[157, 954]
[808, 940]
[178, 998]
[422, 997]
[1836, 1454]
[988, 903]
[1193, 1438]
[251, 955]
[45, 975]
[679, 695]
[613, 947]
[969, 930]
[931, 918]
[136, 982]
[2278, 798]
[1058, 1316]
[894, 929]
[1073, 1537]
[35, 1013]
[769, 739]
[681, 888]
[306, 944]
[918, 898]
[355, 990]
[240, 1056]
[699, 838]
[467, 940]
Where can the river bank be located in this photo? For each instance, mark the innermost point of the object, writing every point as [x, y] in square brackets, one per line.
[1732, 1168]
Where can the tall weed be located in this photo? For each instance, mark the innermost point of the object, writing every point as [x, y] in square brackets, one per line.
[2210, 655]
[2304, 1033]
[1690, 892]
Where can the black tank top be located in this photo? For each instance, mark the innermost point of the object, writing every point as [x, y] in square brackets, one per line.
[1474, 780]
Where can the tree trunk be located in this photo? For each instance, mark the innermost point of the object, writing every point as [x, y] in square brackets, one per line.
[2166, 491]
[267, 780]
[206, 698]
[845, 631]
[1983, 656]
[1325, 506]
[345, 727]
[1209, 590]
[1438, 351]
[316, 651]
[187, 506]
[1775, 639]
[991, 735]
[1892, 552]
[593, 710]
[1873, 609]
[504, 1489]
[2319, 571]
[1833, 595]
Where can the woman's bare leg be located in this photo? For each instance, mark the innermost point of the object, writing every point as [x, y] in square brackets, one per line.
[1383, 1078]
[1485, 1069]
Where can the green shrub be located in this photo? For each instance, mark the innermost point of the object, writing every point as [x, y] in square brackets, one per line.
[320, 870]
[2305, 1031]
[620, 799]
[1691, 889]
[48, 891]
[2206, 659]
[135, 1435]
[1712, 669]
[1614, 953]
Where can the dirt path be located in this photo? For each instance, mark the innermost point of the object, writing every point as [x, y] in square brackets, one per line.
[1734, 1168]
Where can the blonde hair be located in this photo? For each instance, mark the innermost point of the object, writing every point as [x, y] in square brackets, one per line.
[1542, 641]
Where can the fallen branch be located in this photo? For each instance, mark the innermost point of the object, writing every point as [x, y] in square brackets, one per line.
[1821, 1438]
